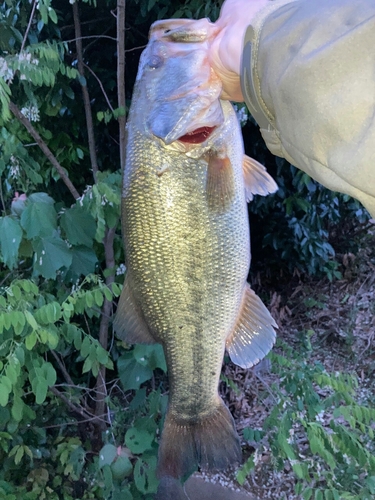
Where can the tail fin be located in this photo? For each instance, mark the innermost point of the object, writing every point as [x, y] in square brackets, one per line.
[170, 489]
[210, 442]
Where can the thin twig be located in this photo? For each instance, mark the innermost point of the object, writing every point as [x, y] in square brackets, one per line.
[136, 48]
[72, 406]
[101, 86]
[62, 368]
[85, 93]
[43, 146]
[90, 36]
[28, 26]
[78, 422]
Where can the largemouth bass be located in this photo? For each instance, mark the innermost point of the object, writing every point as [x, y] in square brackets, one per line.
[186, 235]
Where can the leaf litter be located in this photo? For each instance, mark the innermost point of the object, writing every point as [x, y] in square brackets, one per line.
[337, 318]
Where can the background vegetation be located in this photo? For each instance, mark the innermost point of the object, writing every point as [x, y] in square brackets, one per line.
[80, 411]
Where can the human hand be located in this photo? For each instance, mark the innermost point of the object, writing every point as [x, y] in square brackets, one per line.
[226, 48]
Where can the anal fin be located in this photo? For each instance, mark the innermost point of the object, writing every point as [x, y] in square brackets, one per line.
[254, 334]
[129, 324]
[257, 180]
[220, 183]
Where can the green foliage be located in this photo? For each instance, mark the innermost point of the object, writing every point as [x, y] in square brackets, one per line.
[302, 223]
[320, 430]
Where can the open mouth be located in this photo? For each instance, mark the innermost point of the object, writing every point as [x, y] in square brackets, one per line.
[197, 136]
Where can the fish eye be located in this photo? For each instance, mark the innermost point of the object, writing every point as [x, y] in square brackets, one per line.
[155, 62]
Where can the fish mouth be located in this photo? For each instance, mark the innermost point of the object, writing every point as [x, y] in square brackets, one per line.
[197, 136]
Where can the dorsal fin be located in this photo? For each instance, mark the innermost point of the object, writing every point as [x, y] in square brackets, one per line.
[253, 335]
[257, 180]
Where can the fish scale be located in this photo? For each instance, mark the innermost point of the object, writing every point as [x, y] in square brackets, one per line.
[187, 247]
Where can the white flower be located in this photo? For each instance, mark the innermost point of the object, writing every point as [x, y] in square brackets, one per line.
[31, 112]
[6, 73]
[27, 58]
[242, 114]
[120, 270]
[14, 167]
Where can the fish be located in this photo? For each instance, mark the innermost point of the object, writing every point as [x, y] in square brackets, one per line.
[186, 183]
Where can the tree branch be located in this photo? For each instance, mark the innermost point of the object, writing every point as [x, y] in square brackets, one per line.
[100, 388]
[43, 146]
[28, 26]
[85, 93]
[72, 406]
[62, 368]
[101, 86]
[121, 75]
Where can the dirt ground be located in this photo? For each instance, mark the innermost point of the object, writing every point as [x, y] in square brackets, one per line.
[340, 319]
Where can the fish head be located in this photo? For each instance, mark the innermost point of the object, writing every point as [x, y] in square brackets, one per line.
[180, 93]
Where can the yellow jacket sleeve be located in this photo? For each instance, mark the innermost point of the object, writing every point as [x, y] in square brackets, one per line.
[308, 77]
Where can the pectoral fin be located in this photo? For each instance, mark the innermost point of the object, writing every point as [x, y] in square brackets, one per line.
[220, 183]
[257, 180]
[254, 334]
[129, 324]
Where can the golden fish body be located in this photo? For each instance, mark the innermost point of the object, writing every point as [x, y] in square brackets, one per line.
[186, 237]
[187, 264]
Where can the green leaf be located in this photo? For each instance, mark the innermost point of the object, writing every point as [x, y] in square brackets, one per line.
[40, 389]
[4, 391]
[52, 339]
[108, 294]
[53, 311]
[10, 239]
[150, 355]
[98, 298]
[107, 455]
[12, 374]
[307, 494]
[85, 347]
[298, 470]
[144, 475]
[101, 355]
[49, 374]
[370, 482]
[30, 340]
[19, 455]
[52, 15]
[31, 320]
[248, 466]
[121, 467]
[131, 373]
[328, 495]
[17, 409]
[89, 299]
[138, 440]
[87, 365]
[84, 261]
[39, 219]
[79, 226]
[51, 254]
[318, 495]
